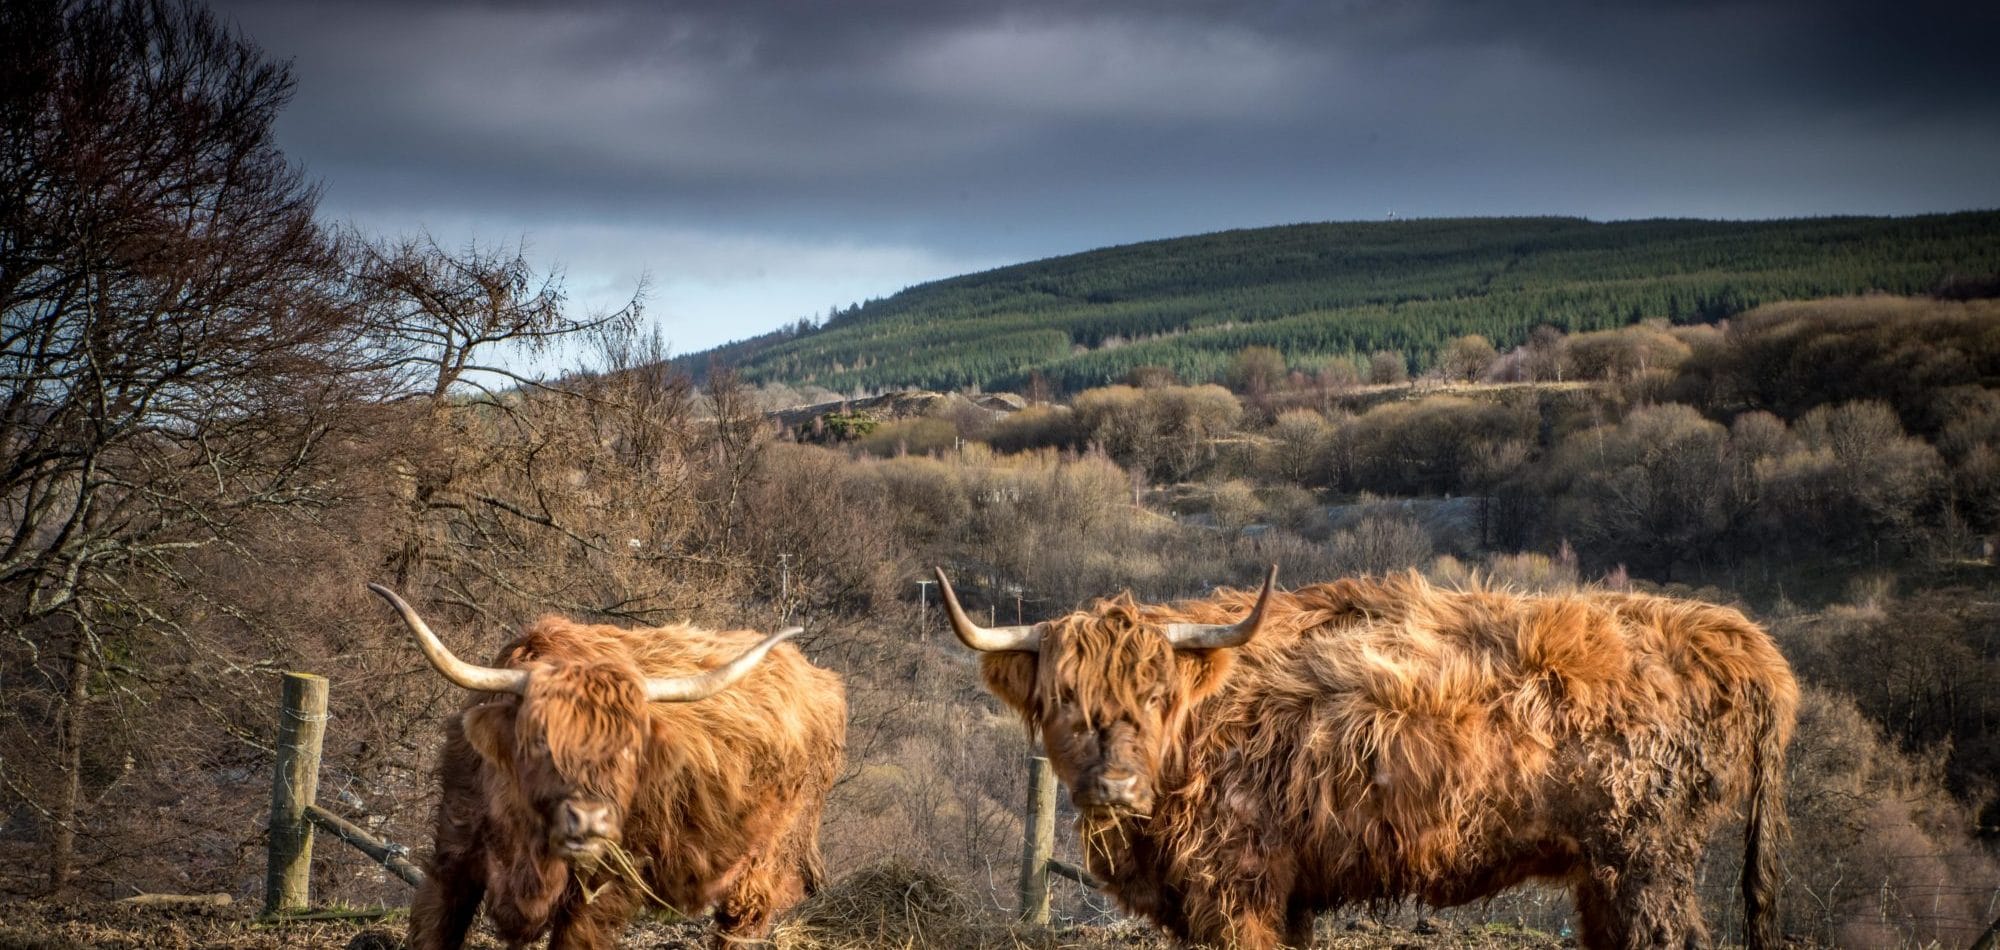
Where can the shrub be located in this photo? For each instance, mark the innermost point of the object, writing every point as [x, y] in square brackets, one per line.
[834, 530]
[1036, 427]
[1922, 667]
[1166, 431]
[1467, 358]
[1255, 371]
[921, 435]
[1387, 367]
[1379, 543]
[1880, 855]
[1650, 490]
[1433, 446]
[843, 426]
[1297, 452]
[1853, 476]
[1624, 353]
[1792, 357]
[1294, 508]
[1531, 571]
[925, 497]
[1235, 505]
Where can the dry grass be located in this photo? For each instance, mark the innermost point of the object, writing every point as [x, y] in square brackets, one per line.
[63, 925]
[896, 904]
[891, 904]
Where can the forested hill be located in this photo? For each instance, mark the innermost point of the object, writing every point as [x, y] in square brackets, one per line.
[1323, 291]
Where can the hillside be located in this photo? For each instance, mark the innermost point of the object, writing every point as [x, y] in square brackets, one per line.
[1323, 291]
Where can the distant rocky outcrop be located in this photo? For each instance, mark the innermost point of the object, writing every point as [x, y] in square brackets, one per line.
[848, 418]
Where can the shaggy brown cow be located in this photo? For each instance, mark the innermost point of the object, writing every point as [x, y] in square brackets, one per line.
[672, 752]
[1240, 767]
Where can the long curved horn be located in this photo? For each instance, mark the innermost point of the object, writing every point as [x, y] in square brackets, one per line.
[1216, 636]
[985, 639]
[687, 689]
[485, 679]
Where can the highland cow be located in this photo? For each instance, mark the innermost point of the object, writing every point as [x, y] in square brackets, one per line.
[596, 769]
[1244, 762]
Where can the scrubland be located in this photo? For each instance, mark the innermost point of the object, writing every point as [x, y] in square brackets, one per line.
[1813, 463]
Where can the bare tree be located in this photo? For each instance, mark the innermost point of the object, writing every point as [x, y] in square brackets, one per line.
[1543, 356]
[1387, 367]
[1256, 371]
[1467, 358]
[175, 335]
[436, 312]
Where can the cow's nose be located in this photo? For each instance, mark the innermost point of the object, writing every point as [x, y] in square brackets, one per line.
[1117, 788]
[582, 820]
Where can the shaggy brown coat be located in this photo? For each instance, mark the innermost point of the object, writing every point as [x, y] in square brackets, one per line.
[1384, 740]
[721, 797]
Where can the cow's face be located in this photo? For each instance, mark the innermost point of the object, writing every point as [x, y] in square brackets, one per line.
[1107, 689]
[1107, 692]
[567, 753]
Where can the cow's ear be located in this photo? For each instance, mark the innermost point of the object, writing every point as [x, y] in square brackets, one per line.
[1202, 671]
[1010, 674]
[489, 728]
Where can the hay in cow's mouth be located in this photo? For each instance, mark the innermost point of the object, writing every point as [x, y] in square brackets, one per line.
[617, 864]
[1105, 832]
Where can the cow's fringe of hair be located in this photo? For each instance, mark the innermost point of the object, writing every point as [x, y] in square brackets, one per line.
[1085, 647]
[586, 712]
[762, 714]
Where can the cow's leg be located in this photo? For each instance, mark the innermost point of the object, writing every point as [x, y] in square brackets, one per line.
[773, 880]
[1237, 921]
[1299, 926]
[764, 888]
[513, 924]
[1662, 892]
[1644, 899]
[448, 899]
[455, 882]
[445, 904]
[1600, 926]
[595, 924]
[1251, 931]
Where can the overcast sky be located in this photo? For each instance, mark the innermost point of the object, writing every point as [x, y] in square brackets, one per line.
[765, 160]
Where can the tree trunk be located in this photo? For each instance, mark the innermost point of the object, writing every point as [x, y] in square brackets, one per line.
[69, 751]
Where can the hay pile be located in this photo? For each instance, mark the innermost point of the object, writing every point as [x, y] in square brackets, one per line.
[894, 904]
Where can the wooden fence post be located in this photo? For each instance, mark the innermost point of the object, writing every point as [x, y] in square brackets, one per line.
[1038, 842]
[1989, 939]
[294, 784]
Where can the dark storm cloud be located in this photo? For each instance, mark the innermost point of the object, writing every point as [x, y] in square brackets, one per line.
[974, 131]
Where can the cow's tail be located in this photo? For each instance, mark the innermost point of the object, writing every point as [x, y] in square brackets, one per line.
[1766, 828]
[804, 847]
[812, 871]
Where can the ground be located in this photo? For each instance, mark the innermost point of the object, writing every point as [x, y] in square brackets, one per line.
[890, 904]
[43, 925]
